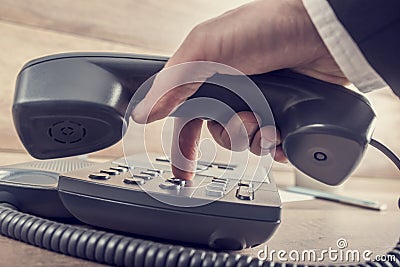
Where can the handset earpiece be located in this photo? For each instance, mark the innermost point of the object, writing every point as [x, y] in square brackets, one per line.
[328, 154]
[325, 136]
[68, 107]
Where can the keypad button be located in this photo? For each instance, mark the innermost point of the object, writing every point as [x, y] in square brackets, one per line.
[217, 186]
[149, 173]
[214, 193]
[245, 183]
[134, 181]
[120, 169]
[110, 172]
[226, 167]
[156, 170]
[177, 181]
[245, 193]
[169, 186]
[162, 159]
[123, 165]
[126, 166]
[99, 176]
[141, 176]
[219, 180]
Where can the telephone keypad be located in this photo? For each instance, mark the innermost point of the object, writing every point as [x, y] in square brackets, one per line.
[203, 185]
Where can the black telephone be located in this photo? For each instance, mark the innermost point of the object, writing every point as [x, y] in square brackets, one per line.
[71, 104]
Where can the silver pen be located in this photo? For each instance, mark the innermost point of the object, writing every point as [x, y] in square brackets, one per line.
[338, 198]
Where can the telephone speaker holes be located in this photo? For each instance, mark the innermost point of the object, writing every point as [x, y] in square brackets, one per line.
[67, 132]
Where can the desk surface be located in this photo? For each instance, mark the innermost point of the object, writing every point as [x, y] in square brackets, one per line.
[311, 224]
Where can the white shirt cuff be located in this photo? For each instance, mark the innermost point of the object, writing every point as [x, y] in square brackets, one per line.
[342, 47]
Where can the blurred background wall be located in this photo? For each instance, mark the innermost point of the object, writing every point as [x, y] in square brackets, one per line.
[30, 29]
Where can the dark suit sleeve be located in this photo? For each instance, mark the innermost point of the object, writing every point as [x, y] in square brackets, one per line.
[375, 26]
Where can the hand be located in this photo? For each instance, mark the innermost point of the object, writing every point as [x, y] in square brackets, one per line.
[258, 37]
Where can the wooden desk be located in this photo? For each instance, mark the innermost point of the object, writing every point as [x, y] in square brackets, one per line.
[311, 224]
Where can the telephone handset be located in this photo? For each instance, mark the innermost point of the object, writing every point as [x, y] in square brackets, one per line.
[76, 104]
